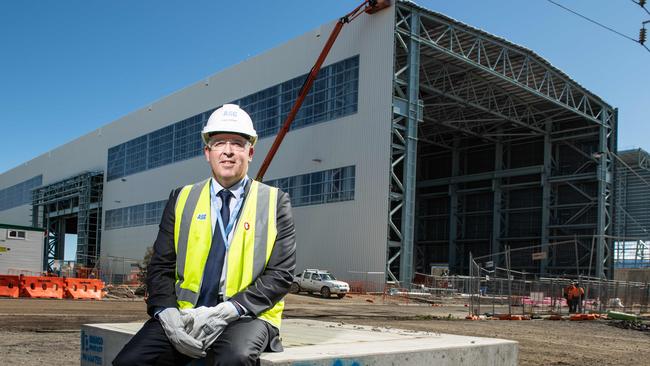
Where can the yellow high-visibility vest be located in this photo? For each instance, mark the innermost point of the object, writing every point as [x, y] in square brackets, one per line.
[249, 251]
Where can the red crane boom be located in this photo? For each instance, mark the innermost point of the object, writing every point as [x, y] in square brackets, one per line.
[368, 6]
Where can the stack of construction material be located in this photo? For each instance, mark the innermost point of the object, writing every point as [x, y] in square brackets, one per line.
[46, 287]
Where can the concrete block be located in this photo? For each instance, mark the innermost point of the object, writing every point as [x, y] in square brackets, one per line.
[316, 343]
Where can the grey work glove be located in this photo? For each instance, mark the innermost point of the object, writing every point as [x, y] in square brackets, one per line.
[209, 322]
[174, 325]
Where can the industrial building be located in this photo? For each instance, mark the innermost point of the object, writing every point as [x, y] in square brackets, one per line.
[422, 140]
[632, 221]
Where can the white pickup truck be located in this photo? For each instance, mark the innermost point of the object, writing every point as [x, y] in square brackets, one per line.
[318, 280]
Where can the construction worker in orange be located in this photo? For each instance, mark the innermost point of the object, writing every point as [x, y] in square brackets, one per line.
[573, 295]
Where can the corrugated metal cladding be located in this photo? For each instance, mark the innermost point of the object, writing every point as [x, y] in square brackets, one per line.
[21, 251]
[342, 236]
[351, 236]
[633, 197]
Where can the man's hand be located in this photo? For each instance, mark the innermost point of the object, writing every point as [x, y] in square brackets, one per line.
[209, 322]
[174, 325]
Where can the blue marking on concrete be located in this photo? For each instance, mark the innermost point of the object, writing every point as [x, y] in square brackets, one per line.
[336, 362]
[92, 349]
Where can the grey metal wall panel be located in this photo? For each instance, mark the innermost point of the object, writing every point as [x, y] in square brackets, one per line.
[636, 202]
[21, 215]
[342, 236]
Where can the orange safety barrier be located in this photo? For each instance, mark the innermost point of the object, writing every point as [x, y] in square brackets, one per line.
[578, 317]
[9, 286]
[513, 317]
[83, 288]
[41, 287]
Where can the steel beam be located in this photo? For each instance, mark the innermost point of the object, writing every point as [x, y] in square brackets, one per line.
[505, 173]
[516, 66]
[479, 89]
[80, 196]
[501, 106]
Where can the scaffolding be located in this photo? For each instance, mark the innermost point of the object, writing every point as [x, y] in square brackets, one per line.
[68, 206]
[492, 147]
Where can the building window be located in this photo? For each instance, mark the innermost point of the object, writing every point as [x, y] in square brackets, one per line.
[137, 215]
[115, 164]
[319, 187]
[153, 212]
[16, 234]
[161, 147]
[187, 138]
[136, 155]
[19, 194]
[334, 94]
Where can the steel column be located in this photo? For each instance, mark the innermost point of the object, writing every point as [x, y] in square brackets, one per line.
[602, 177]
[613, 148]
[546, 196]
[497, 197]
[409, 180]
[79, 196]
[453, 208]
[466, 80]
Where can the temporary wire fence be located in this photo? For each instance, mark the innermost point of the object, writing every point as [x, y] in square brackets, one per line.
[119, 270]
[508, 291]
[361, 282]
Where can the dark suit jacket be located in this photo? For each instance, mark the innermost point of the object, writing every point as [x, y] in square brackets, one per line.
[265, 291]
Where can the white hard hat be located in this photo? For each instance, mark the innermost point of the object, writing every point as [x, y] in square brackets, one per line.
[229, 118]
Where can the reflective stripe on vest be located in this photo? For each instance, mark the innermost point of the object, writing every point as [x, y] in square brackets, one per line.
[249, 251]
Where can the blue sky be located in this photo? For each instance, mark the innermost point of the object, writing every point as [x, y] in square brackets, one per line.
[69, 67]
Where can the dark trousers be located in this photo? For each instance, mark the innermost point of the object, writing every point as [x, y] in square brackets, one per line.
[573, 305]
[241, 343]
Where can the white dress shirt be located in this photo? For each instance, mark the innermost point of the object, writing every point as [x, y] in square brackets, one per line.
[238, 190]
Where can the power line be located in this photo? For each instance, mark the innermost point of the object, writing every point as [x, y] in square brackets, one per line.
[642, 5]
[593, 21]
[600, 24]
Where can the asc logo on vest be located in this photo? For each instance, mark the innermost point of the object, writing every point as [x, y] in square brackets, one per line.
[201, 216]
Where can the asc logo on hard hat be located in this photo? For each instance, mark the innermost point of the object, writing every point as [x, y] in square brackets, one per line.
[229, 118]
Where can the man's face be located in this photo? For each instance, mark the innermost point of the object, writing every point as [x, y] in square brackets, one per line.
[228, 155]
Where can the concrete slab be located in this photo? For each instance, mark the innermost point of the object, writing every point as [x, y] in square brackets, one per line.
[310, 342]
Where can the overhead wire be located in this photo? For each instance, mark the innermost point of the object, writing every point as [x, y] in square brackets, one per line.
[642, 6]
[600, 24]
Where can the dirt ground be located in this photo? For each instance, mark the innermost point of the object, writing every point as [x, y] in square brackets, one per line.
[46, 332]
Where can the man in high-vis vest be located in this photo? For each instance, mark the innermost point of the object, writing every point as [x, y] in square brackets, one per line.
[222, 262]
[574, 296]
